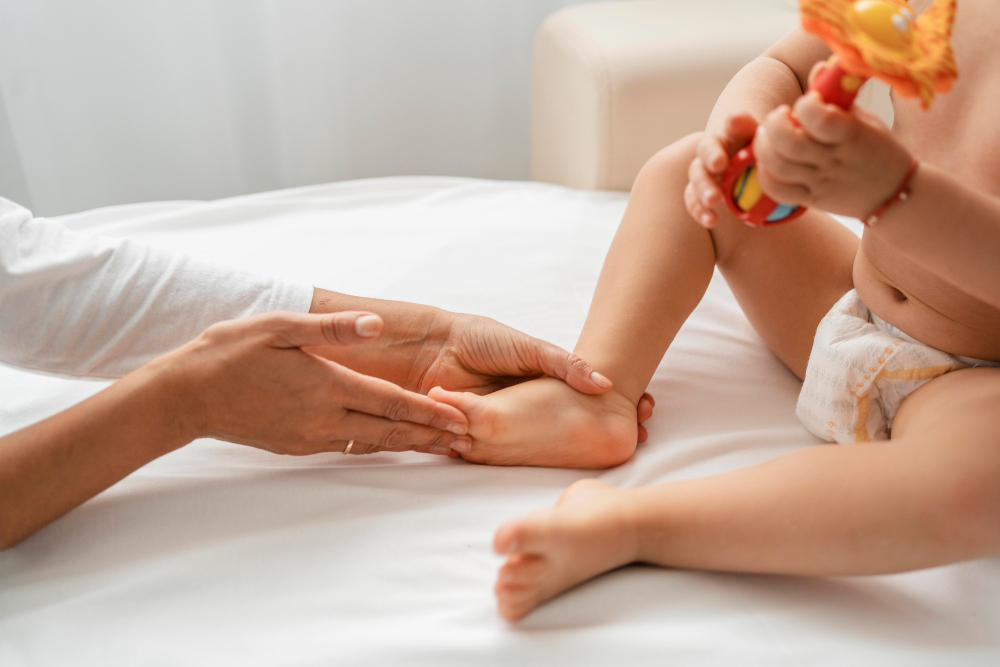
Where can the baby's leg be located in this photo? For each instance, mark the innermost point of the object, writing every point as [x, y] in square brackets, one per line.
[929, 496]
[659, 265]
[661, 261]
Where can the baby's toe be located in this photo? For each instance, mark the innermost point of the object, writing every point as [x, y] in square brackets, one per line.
[515, 602]
[522, 569]
[527, 535]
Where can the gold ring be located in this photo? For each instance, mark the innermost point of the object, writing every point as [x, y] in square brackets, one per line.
[347, 450]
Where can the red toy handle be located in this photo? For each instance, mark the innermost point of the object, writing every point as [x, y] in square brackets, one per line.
[834, 85]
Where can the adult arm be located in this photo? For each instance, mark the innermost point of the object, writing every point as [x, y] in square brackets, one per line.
[246, 381]
[101, 307]
[95, 306]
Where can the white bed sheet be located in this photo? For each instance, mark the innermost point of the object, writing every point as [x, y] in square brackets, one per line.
[219, 554]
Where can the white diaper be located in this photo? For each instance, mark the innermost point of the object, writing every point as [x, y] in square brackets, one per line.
[860, 370]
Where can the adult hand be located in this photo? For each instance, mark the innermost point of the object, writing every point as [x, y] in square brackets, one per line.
[248, 381]
[424, 347]
[481, 355]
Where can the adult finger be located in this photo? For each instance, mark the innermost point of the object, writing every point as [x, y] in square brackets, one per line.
[826, 123]
[288, 329]
[380, 398]
[551, 360]
[425, 449]
[394, 436]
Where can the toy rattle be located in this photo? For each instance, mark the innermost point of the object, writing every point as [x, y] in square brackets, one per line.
[868, 38]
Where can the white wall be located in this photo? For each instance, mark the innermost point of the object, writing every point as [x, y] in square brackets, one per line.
[114, 101]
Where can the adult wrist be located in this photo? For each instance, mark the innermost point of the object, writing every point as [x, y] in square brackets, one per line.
[174, 399]
[412, 337]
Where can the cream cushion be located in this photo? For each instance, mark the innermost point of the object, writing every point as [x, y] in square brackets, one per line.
[614, 82]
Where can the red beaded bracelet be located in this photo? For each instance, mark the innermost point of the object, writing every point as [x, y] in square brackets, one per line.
[902, 193]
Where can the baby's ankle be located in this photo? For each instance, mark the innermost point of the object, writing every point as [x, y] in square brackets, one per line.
[629, 511]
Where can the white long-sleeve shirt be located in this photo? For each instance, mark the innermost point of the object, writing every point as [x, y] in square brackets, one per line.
[94, 306]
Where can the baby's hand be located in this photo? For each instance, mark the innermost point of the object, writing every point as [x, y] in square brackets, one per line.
[845, 162]
[703, 193]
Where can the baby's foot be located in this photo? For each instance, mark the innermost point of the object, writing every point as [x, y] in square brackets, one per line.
[587, 533]
[545, 422]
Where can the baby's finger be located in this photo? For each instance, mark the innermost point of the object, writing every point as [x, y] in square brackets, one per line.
[777, 165]
[814, 72]
[791, 142]
[702, 215]
[788, 193]
[704, 185]
[826, 123]
[712, 154]
[739, 131]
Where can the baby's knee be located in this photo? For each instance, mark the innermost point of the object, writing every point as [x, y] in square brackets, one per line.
[668, 169]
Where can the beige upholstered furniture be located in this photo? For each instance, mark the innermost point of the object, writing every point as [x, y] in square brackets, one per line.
[614, 82]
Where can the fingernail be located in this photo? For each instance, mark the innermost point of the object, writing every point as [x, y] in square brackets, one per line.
[458, 429]
[462, 446]
[439, 449]
[706, 219]
[600, 380]
[367, 326]
[706, 196]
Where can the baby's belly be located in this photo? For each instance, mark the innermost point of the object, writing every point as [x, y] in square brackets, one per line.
[924, 306]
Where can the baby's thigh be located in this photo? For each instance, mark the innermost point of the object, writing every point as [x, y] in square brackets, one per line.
[786, 277]
[959, 409]
[951, 428]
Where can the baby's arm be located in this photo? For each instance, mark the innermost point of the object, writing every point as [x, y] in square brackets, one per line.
[777, 77]
[949, 228]
[849, 162]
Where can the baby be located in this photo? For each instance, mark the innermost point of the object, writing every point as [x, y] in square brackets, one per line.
[900, 332]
